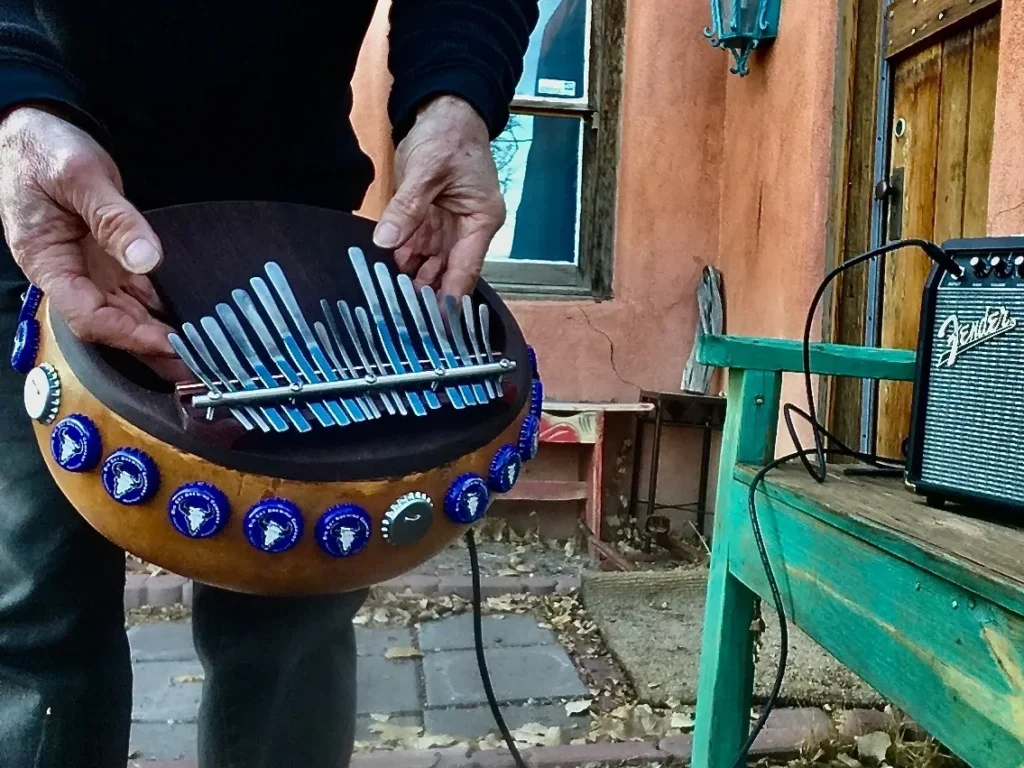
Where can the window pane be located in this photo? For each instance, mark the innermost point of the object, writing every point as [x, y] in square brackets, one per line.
[538, 161]
[556, 60]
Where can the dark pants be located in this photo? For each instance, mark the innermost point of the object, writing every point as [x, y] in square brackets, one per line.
[280, 674]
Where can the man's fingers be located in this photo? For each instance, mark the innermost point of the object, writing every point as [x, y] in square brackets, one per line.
[117, 225]
[465, 262]
[406, 212]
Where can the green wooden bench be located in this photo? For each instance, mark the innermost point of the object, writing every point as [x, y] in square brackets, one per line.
[926, 605]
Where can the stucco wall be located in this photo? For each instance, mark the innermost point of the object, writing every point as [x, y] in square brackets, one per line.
[1006, 183]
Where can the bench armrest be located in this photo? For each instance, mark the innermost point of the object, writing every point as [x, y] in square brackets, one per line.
[785, 355]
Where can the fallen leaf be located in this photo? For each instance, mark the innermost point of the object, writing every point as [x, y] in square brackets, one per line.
[379, 718]
[181, 679]
[874, 745]
[681, 720]
[849, 762]
[577, 707]
[403, 652]
[432, 741]
[537, 735]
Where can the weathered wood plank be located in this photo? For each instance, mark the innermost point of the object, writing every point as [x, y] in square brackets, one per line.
[752, 353]
[726, 678]
[914, 23]
[916, 91]
[954, 112]
[950, 658]
[984, 69]
[853, 196]
[978, 554]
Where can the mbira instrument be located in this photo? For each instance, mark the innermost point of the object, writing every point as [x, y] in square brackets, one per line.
[341, 428]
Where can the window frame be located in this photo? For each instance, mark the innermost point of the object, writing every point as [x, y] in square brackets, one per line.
[598, 113]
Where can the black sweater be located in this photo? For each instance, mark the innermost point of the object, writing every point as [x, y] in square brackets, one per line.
[215, 99]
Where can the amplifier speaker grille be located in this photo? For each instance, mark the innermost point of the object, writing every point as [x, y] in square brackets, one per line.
[974, 409]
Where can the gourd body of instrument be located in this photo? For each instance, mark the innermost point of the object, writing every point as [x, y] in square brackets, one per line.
[342, 427]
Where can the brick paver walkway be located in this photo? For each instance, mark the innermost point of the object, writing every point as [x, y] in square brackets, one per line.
[440, 690]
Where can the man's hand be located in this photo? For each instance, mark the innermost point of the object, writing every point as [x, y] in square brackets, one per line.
[75, 236]
[448, 206]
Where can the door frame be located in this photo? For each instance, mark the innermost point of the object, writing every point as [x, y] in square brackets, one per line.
[862, 128]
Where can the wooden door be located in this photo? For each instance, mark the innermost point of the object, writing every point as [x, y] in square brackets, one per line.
[943, 108]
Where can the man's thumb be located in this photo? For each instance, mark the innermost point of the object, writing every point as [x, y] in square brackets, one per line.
[402, 216]
[119, 228]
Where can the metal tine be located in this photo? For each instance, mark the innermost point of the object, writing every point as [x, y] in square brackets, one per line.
[485, 336]
[434, 313]
[412, 356]
[451, 310]
[223, 346]
[237, 333]
[284, 290]
[367, 401]
[405, 285]
[350, 326]
[248, 307]
[364, 323]
[193, 335]
[292, 347]
[178, 345]
[369, 412]
[470, 317]
[358, 260]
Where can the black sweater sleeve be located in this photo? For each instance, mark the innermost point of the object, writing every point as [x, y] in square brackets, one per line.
[472, 49]
[30, 68]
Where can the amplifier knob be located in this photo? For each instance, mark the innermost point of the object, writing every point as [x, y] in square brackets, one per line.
[1000, 267]
[979, 267]
[1018, 265]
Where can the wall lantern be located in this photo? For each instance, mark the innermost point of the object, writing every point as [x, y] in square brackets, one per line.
[741, 26]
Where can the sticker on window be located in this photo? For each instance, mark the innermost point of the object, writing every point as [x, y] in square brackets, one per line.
[549, 87]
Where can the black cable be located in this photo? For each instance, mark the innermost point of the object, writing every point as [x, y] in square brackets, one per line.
[820, 472]
[481, 662]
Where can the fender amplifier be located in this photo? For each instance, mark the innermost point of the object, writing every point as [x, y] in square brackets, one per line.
[967, 426]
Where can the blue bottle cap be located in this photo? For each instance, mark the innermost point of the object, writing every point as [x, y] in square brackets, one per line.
[531, 353]
[466, 500]
[529, 438]
[198, 510]
[505, 468]
[343, 530]
[76, 444]
[536, 398]
[273, 525]
[26, 345]
[30, 303]
[130, 476]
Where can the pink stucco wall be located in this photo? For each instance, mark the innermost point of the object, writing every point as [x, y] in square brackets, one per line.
[1006, 183]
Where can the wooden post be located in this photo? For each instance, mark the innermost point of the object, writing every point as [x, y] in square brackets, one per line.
[726, 682]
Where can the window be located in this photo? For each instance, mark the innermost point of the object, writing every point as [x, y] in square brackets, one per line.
[556, 158]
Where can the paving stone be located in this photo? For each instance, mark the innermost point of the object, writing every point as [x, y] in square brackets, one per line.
[603, 754]
[164, 590]
[541, 585]
[517, 674]
[857, 722]
[419, 583]
[678, 746]
[134, 590]
[476, 722]
[508, 630]
[186, 592]
[788, 730]
[162, 641]
[157, 698]
[387, 686]
[490, 586]
[375, 641]
[160, 741]
[567, 585]
[411, 758]
[363, 723]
